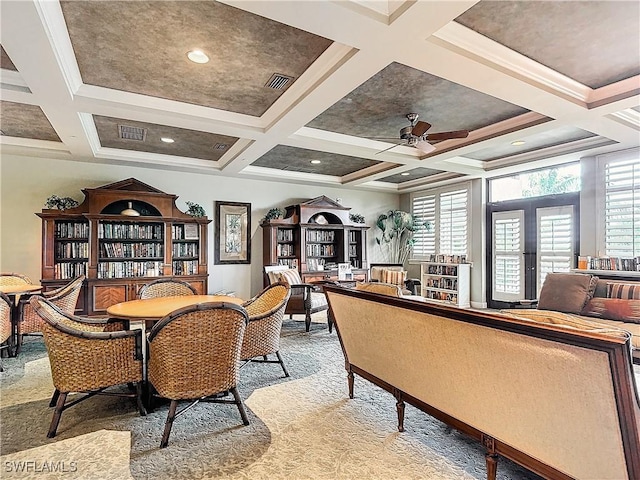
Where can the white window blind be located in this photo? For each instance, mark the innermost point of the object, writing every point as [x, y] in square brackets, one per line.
[622, 208]
[555, 241]
[453, 222]
[424, 208]
[448, 214]
[508, 255]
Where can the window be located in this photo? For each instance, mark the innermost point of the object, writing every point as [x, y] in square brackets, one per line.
[622, 207]
[550, 181]
[555, 240]
[447, 212]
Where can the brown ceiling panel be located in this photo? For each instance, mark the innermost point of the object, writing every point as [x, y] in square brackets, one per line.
[414, 174]
[25, 121]
[299, 160]
[546, 139]
[187, 143]
[5, 61]
[141, 47]
[378, 107]
[593, 42]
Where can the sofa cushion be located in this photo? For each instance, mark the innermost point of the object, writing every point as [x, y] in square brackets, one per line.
[566, 292]
[623, 290]
[574, 322]
[613, 309]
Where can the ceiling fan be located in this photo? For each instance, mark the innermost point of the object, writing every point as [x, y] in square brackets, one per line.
[415, 135]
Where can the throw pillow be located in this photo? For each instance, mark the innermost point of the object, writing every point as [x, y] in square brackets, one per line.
[395, 277]
[623, 290]
[613, 309]
[291, 277]
[381, 288]
[566, 292]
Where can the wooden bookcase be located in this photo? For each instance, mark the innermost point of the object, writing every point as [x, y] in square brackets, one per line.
[315, 236]
[120, 253]
[446, 283]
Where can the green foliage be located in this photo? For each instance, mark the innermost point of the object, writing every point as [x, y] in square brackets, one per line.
[550, 182]
[274, 213]
[356, 218]
[396, 234]
[61, 203]
[195, 210]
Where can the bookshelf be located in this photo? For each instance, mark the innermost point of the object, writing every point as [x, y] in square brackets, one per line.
[446, 283]
[314, 237]
[119, 253]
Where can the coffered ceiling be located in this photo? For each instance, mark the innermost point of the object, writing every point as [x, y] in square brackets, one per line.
[291, 82]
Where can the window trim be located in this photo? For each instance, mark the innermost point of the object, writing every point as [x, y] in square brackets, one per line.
[437, 192]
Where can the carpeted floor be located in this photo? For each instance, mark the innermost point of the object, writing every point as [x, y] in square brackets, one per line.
[302, 427]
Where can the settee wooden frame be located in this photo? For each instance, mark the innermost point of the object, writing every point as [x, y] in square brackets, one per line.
[617, 349]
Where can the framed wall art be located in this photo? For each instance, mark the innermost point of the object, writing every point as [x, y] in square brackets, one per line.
[232, 234]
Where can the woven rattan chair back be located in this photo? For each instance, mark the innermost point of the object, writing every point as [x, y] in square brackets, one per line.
[165, 288]
[266, 311]
[195, 351]
[194, 355]
[65, 298]
[85, 359]
[7, 279]
[5, 323]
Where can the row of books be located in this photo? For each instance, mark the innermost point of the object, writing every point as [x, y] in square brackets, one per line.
[71, 229]
[609, 263]
[320, 250]
[129, 269]
[131, 250]
[353, 237]
[289, 262]
[321, 235]
[69, 270]
[185, 249]
[285, 235]
[285, 250]
[72, 250]
[186, 267]
[443, 283]
[442, 270]
[447, 258]
[443, 296]
[188, 231]
[149, 231]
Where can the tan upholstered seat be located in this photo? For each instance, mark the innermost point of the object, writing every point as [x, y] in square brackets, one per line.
[262, 336]
[305, 298]
[165, 287]
[65, 298]
[196, 364]
[85, 357]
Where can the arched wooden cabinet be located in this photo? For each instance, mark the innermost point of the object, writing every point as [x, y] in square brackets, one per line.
[122, 236]
[315, 236]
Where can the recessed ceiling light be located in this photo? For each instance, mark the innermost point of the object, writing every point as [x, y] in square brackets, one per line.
[315, 162]
[517, 143]
[167, 140]
[405, 174]
[197, 56]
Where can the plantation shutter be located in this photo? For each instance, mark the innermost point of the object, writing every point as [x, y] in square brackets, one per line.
[622, 208]
[424, 208]
[508, 256]
[555, 241]
[452, 222]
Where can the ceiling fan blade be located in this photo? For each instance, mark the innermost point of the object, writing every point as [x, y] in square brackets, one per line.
[388, 139]
[447, 135]
[382, 151]
[420, 128]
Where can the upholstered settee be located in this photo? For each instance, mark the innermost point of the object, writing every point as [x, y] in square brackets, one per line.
[560, 400]
[603, 303]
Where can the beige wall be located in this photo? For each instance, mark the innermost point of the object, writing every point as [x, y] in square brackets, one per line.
[26, 183]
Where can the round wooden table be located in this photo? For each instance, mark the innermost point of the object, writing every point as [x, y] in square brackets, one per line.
[20, 289]
[14, 292]
[156, 308]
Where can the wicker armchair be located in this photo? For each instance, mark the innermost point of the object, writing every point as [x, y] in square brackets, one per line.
[65, 297]
[7, 279]
[165, 287]
[262, 336]
[85, 358]
[194, 355]
[5, 323]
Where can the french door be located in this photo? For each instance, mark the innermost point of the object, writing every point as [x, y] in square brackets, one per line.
[527, 239]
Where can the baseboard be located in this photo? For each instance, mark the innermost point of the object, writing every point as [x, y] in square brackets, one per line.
[478, 304]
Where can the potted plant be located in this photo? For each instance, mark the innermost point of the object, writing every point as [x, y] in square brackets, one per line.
[395, 237]
[61, 203]
[195, 210]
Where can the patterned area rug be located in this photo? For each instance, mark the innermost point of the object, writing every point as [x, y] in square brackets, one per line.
[302, 427]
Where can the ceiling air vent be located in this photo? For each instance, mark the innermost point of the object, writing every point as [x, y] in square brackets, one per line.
[220, 146]
[127, 132]
[279, 81]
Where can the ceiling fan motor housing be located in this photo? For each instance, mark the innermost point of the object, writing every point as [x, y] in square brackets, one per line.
[405, 133]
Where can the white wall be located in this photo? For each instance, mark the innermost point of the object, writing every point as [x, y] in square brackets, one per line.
[26, 183]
